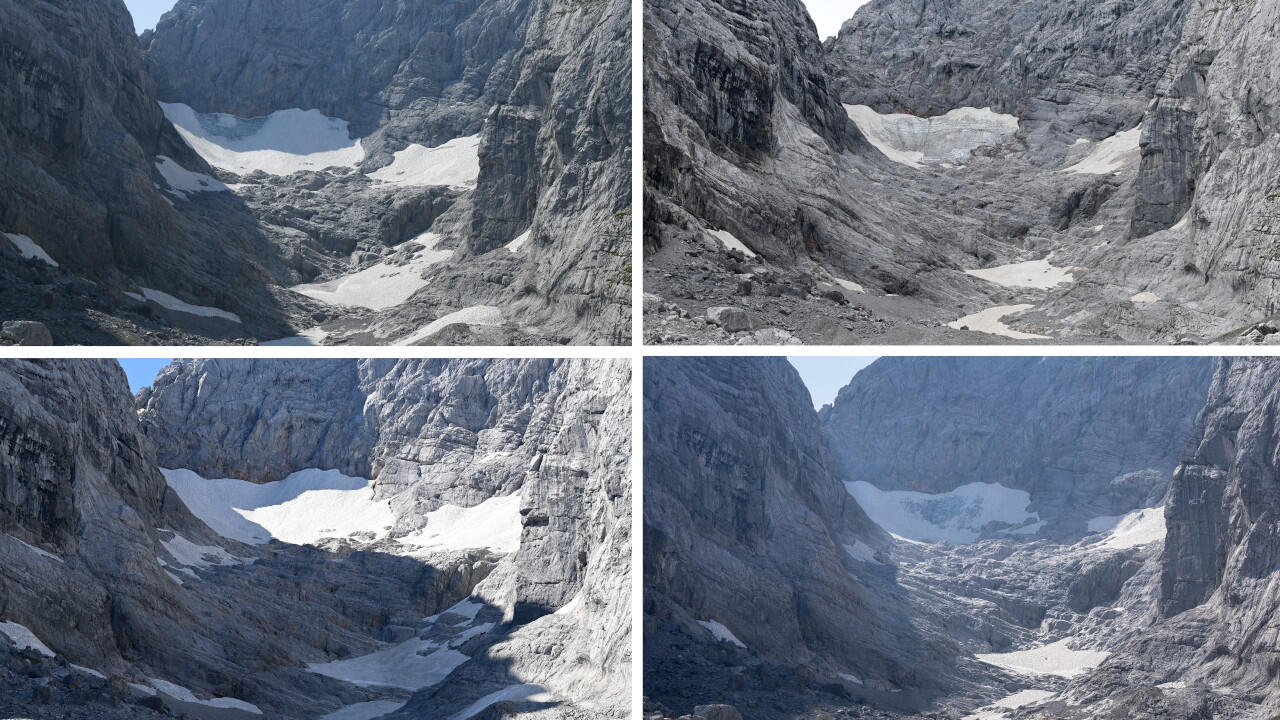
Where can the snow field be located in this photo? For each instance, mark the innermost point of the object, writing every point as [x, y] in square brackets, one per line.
[1037, 274]
[311, 505]
[956, 517]
[190, 554]
[494, 524]
[23, 639]
[166, 300]
[947, 139]
[282, 143]
[1110, 155]
[177, 692]
[1140, 527]
[513, 693]
[30, 250]
[301, 509]
[989, 321]
[182, 181]
[455, 163]
[515, 245]
[483, 315]
[721, 633]
[1022, 698]
[383, 285]
[1053, 659]
[730, 242]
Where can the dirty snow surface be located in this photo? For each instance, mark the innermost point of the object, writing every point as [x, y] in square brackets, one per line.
[455, 163]
[29, 249]
[385, 284]
[991, 321]
[1053, 659]
[1111, 155]
[958, 516]
[1038, 274]
[282, 143]
[950, 138]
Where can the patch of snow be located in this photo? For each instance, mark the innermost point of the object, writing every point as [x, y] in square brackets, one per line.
[1052, 659]
[282, 143]
[177, 692]
[1023, 698]
[572, 606]
[455, 163]
[861, 551]
[190, 554]
[956, 517]
[486, 315]
[515, 245]
[851, 678]
[989, 321]
[1111, 155]
[1175, 685]
[1097, 228]
[23, 639]
[312, 337]
[466, 608]
[494, 524]
[1140, 527]
[42, 553]
[383, 285]
[182, 181]
[730, 242]
[365, 710]
[302, 509]
[88, 671]
[1186, 219]
[721, 633]
[474, 631]
[410, 665]
[850, 285]
[30, 250]
[168, 301]
[1038, 274]
[1145, 297]
[144, 689]
[949, 139]
[513, 693]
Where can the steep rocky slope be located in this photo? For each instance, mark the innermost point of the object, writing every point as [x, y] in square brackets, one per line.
[485, 563]
[765, 583]
[1212, 652]
[82, 198]
[373, 172]
[1085, 437]
[1029, 175]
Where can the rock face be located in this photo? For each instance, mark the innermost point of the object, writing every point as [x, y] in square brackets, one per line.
[759, 575]
[1080, 67]
[1131, 121]
[81, 138]
[1086, 437]
[542, 84]
[155, 594]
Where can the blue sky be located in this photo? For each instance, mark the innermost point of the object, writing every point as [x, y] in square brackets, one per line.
[147, 12]
[142, 371]
[824, 376]
[829, 15]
